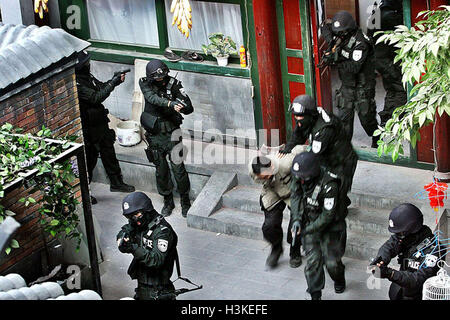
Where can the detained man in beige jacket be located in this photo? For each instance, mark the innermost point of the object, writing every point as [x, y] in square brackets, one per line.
[274, 174]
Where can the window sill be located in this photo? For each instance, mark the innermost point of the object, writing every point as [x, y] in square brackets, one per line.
[207, 67]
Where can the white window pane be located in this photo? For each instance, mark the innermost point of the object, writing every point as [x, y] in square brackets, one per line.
[129, 21]
[207, 17]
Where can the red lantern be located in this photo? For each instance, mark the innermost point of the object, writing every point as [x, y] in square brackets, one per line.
[436, 194]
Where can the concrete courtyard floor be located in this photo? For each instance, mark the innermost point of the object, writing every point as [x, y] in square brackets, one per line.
[229, 268]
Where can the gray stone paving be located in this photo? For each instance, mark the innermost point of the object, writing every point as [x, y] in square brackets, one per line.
[228, 267]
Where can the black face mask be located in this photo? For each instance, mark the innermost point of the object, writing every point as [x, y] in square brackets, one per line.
[308, 184]
[161, 83]
[344, 35]
[306, 123]
[407, 239]
[142, 221]
[401, 235]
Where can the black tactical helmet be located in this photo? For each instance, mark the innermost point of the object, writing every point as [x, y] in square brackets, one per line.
[156, 69]
[136, 201]
[303, 105]
[83, 58]
[342, 23]
[305, 166]
[406, 218]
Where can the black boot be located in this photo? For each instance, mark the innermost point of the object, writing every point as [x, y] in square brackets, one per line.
[339, 287]
[272, 259]
[168, 207]
[314, 296]
[93, 200]
[185, 205]
[295, 260]
[117, 185]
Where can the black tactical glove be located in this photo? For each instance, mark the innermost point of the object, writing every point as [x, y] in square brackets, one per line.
[116, 80]
[376, 261]
[127, 246]
[172, 104]
[383, 272]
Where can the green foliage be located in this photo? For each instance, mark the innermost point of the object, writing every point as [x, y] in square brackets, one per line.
[21, 153]
[424, 55]
[220, 45]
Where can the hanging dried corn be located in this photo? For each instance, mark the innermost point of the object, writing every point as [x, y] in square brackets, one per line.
[181, 10]
[40, 6]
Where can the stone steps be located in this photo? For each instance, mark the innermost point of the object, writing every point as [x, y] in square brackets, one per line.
[360, 244]
[361, 219]
[240, 215]
[246, 197]
[227, 199]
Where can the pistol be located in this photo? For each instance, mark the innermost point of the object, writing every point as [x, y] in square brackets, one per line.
[122, 72]
[184, 104]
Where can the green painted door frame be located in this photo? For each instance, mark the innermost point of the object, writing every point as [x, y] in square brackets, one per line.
[306, 54]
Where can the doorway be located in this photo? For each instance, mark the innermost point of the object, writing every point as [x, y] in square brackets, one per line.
[328, 79]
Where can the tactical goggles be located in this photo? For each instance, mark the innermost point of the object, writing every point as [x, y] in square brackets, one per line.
[297, 108]
[158, 74]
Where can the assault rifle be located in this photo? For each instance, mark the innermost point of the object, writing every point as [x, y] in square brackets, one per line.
[329, 55]
[173, 294]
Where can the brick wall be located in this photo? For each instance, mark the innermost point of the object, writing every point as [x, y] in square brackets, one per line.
[53, 103]
[333, 6]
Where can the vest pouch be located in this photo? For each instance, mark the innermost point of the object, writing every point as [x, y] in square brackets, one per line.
[313, 213]
[150, 123]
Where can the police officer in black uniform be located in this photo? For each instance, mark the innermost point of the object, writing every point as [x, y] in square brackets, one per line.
[317, 215]
[354, 57]
[327, 138]
[387, 15]
[417, 250]
[153, 244]
[98, 137]
[165, 101]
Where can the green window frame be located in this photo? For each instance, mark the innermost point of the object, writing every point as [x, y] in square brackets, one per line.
[126, 53]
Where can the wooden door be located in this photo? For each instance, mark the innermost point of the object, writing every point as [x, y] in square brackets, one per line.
[296, 54]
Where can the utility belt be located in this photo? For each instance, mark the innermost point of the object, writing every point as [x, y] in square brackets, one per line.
[167, 126]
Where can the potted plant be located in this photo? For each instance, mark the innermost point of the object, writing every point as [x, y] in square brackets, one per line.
[423, 53]
[220, 47]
